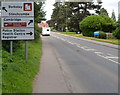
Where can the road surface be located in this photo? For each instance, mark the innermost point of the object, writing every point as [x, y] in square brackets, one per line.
[71, 65]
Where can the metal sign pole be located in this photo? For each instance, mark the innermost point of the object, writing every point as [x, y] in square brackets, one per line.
[26, 50]
[11, 47]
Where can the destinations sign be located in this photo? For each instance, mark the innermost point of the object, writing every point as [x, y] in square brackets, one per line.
[17, 33]
[17, 8]
[17, 21]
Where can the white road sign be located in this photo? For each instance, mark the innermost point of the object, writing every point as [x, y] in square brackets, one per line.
[17, 22]
[17, 33]
[17, 9]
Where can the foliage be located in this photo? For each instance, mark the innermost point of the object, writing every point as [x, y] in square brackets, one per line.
[103, 12]
[39, 14]
[116, 33]
[108, 24]
[6, 45]
[37, 31]
[96, 22]
[90, 24]
[102, 35]
[18, 74]
[113, 16]
[69, 14]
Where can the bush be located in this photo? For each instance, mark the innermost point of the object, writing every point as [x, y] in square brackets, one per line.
[6, 45]
[116, 33]
[90, 24]
[102, 35]
[96, 22]
[108, 24]
[38, 30]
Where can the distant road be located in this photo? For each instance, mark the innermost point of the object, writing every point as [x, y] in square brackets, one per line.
[86, 67]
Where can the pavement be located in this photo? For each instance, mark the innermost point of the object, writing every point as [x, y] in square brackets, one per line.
[75, 65]
[50, 78]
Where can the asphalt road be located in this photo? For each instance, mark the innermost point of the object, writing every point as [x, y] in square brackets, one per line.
[86, 67]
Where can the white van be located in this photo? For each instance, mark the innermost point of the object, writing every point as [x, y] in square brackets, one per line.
[46, 31]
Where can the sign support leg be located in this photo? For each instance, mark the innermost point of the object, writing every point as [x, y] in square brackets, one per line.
[11, 47]
[26, 50]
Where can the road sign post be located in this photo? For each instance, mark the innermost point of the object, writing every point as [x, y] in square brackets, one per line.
[17, 22]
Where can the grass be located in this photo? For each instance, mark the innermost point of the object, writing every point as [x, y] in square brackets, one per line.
[112, 41]
[18, 74]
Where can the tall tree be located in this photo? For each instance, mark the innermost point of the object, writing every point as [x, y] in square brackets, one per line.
[70, 14]
[113, 16]
[39, 13]
[103, 12]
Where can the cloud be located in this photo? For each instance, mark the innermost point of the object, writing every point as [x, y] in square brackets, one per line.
[111, 5]
[49, 8]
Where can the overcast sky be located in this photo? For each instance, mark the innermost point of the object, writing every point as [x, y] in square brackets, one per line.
[110, 5]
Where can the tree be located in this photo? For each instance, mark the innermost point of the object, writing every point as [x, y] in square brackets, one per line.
[58, 18]
[70, 14]
[39, 14]
[116, 33]
[103, 12]
[113, 16]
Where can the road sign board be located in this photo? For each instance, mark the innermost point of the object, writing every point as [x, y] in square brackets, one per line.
[17, 33]
[17, 9]
[17, 22]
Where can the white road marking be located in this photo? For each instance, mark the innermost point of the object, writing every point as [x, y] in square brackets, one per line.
[106, 57]
[112, 57]
[70, 42]
[98, 52]
[86, 48]
[79, 46]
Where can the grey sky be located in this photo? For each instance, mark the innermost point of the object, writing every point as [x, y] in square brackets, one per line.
[110, 5]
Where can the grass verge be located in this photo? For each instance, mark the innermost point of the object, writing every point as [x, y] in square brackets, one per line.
[17, 74]
[111, 41]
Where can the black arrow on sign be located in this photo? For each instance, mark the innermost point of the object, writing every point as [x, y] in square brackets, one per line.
[4, 9]
[29, 33]
[31, 21]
